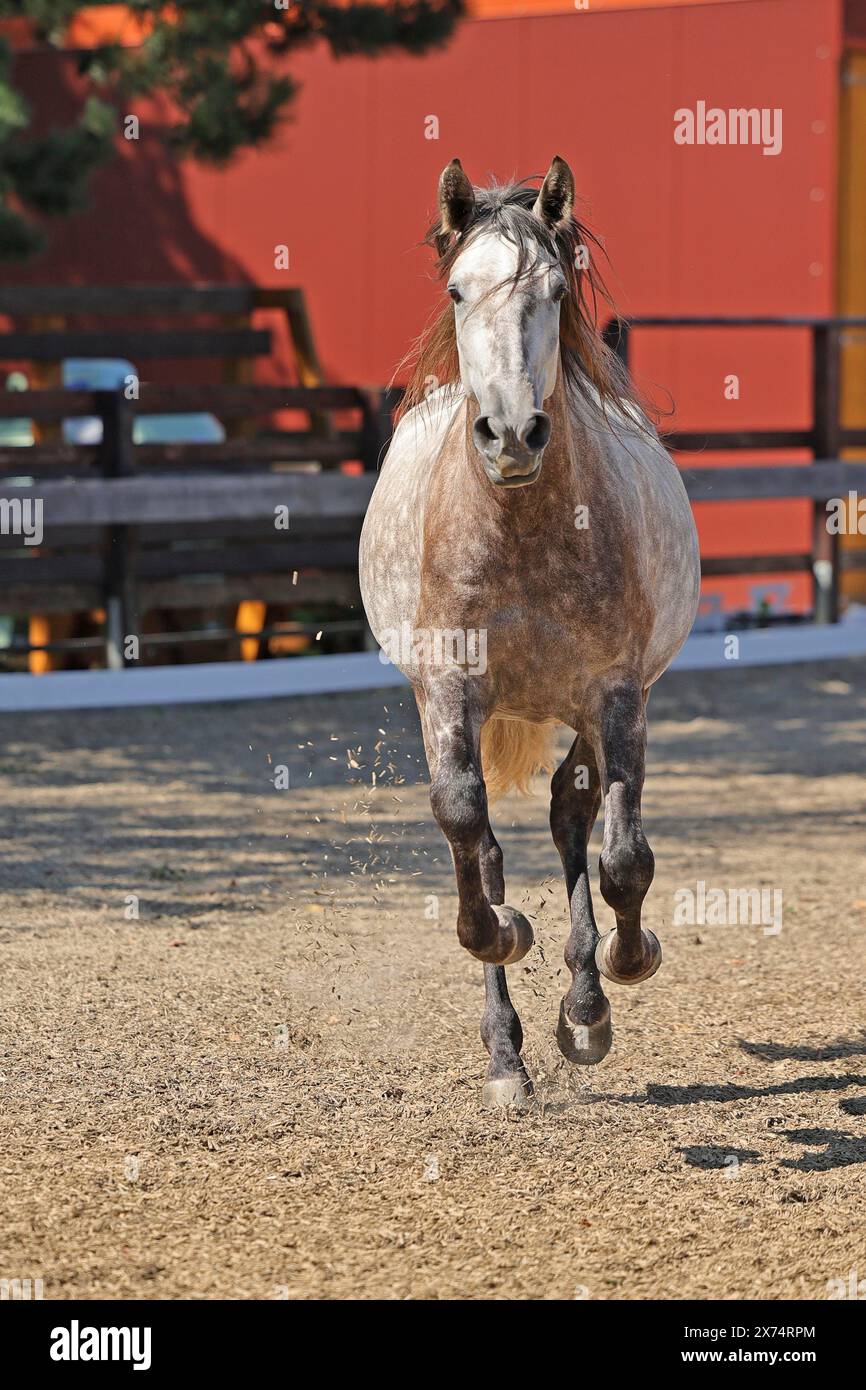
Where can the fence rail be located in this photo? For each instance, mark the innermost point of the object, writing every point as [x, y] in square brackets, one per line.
[827, 478]
[129, 527]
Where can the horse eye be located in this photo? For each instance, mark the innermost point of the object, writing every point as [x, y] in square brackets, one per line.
[455, 293]
[559, 293]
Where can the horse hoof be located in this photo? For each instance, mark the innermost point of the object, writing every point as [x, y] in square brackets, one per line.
[583, 1044]
[515, 934]
[606, 954]
[513, 1091]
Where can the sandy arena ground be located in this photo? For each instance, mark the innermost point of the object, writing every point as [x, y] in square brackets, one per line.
[267, 1085]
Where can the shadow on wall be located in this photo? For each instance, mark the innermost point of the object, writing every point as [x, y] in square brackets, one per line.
[157, 240]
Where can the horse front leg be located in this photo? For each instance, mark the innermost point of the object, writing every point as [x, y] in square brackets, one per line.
[452, 715]
[507, 1082]
[629, 953]
[451, 722]
[584, 1031]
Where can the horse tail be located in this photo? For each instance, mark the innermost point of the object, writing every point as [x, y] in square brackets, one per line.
[512, 751]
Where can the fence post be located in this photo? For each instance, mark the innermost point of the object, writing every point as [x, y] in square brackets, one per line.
[117, 461]
[375, 427]
[825, 427]
[616, 334]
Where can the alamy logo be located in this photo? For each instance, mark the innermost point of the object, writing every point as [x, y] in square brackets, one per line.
[729, 907]
[435, 647]
[739, 125]
[22, 517]
[20, 1290]
[852, 1287]
[846, 516]
[77, 1343]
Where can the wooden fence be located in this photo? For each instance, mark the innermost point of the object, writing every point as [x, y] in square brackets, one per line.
[130, 527]
[133, 527]
[827, 477]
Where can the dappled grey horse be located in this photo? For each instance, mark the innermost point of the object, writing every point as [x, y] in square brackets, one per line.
[535, 539]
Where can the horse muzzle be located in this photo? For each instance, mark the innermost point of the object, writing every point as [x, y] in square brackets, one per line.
[521, 476]
[512, 456]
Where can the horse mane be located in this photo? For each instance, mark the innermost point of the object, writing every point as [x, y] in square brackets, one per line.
[589, 367]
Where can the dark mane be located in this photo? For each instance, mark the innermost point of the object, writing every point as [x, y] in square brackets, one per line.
[585, 357]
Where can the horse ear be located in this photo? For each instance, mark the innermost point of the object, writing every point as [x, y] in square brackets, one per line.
[555, 200]
[456, 199]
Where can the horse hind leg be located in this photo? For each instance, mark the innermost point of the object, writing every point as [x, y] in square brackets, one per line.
[584, 1033]
[629, 953]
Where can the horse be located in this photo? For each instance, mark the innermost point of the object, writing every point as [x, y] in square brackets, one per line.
[533, 539]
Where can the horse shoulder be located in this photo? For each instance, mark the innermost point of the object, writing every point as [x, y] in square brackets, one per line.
[391, 537]
[422, 430]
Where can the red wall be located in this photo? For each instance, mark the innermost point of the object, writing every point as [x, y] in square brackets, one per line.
[350, 183]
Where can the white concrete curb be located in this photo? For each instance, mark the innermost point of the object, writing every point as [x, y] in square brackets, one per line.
[331, 675]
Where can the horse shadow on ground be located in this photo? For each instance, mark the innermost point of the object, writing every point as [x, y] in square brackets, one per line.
[840, 1150]
[698, 1092]
[826, 1149]
[829, 1052]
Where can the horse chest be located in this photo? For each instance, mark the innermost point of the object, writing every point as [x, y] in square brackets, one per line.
[544, 621]
[542, 587]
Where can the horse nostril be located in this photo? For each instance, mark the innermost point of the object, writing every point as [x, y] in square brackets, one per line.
[536, 431]
[487, 440]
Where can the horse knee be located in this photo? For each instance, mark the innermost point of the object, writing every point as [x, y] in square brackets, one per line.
[459, 804]
[626, 869]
